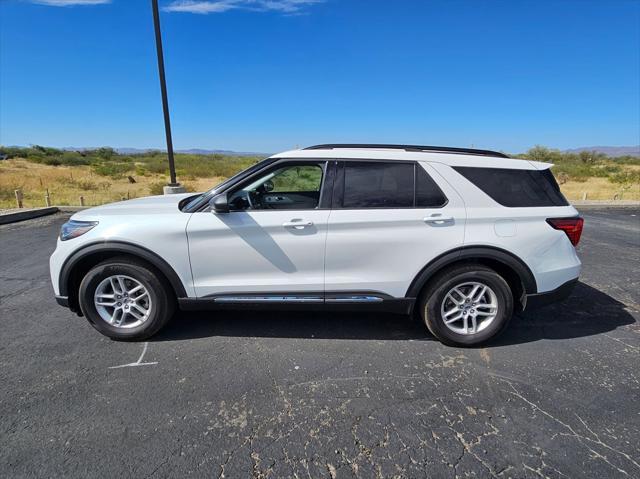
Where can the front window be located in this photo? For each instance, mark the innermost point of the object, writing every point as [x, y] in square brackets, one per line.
[290, 187]
[197, 202]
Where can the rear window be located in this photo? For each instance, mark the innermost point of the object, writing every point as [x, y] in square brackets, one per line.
[373, 184]
[378, 185]
[428, 195]
[516, 188]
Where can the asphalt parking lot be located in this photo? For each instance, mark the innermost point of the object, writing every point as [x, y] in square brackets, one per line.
[312, 395]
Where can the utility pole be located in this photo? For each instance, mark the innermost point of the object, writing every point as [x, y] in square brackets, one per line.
[174, 186]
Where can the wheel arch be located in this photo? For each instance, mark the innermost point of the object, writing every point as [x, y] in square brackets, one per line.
[513, 269]
[82, 260]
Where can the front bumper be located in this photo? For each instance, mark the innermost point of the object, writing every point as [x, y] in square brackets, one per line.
[538, 300]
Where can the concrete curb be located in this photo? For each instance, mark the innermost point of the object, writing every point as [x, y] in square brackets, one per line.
[26, 215]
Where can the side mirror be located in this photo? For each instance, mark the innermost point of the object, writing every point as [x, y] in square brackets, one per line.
[219, 203]
[268, 186]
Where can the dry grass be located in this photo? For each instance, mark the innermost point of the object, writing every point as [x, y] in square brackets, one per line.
[67, 183]
[599, 189]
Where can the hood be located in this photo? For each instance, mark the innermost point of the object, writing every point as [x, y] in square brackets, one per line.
[140, 206]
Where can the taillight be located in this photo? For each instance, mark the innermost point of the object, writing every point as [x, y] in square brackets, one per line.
[571, 226]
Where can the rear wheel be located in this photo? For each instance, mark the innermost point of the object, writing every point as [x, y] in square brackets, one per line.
[125, 299]
[467, 305]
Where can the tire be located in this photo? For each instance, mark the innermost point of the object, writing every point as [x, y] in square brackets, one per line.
[155, 297]
[440, 302]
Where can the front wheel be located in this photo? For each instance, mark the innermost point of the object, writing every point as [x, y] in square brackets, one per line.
[467, 305]
[125, 299]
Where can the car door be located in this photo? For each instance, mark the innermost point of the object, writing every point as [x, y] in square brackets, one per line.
[270, 245]
[388, 220]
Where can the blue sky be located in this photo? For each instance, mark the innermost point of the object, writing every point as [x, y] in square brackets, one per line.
[267, 75]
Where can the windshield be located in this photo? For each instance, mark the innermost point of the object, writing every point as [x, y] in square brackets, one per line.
[197, 202]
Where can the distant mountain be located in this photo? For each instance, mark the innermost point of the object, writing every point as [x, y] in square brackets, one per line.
[191, 151]
[130, 151]
[611, 151]
[198, 151]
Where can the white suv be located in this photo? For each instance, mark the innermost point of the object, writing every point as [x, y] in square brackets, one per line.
[461, 237]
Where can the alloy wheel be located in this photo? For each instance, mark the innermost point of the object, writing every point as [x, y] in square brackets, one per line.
[469, 308]
[122, 301]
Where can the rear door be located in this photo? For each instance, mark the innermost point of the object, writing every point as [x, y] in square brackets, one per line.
[388, 220]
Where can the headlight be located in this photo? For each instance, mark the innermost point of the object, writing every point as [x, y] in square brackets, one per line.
[72, 229]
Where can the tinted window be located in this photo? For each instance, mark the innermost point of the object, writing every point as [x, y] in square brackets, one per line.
[516, 188]
[378, 185]
[428, 195]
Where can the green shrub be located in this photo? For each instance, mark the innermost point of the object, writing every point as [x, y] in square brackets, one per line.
[606, 171]
[141, 170]
[51, 161]
[628, 160]
[626, 178]
[113, 170]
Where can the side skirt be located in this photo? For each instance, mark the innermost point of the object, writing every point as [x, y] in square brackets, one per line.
[357, 301]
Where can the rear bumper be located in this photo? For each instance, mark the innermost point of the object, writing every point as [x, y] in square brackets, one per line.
[542, 299]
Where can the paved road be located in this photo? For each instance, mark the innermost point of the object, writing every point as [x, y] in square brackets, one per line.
[323, 395]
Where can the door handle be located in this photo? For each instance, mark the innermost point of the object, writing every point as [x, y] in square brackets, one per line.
[297, 224]
[438, 219]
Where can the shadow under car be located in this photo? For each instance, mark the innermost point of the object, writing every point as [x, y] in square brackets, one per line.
[586, 312]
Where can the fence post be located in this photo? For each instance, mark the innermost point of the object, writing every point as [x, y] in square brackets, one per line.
[82, 201]
[584, 196]
[19, 198]
[47, 199]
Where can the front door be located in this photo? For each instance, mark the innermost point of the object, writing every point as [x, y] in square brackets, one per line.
[272, 241]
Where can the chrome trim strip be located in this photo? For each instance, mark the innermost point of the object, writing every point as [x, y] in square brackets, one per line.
[355, 299]
[299, 299]
[269, 299]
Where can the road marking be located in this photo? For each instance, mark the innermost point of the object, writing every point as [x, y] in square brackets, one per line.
[138, 362]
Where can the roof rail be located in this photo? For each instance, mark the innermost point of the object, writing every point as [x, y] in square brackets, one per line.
[435, 149]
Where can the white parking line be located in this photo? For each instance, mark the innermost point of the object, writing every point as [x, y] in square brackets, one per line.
[138, 362]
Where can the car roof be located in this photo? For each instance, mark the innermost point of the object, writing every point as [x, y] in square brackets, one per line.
[453, 157]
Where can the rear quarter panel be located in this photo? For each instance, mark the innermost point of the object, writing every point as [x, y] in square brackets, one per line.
[523, 232]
